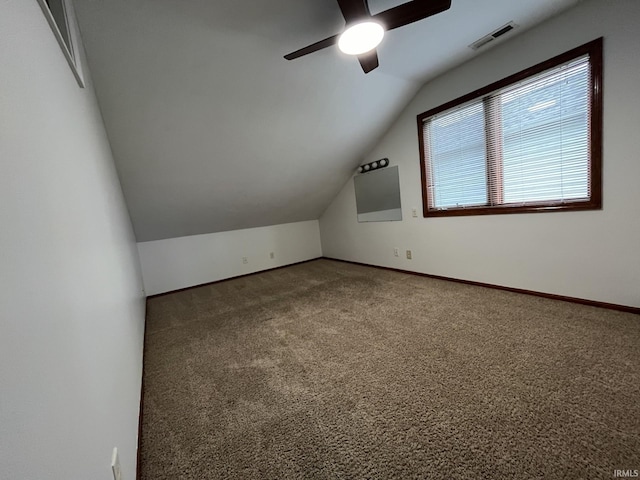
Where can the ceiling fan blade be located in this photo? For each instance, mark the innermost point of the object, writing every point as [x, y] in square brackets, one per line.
[354, 10]
[368, 61]
[327, 42]
[411, 12]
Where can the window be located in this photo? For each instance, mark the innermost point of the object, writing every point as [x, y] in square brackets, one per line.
[59, 16]
[529, 143]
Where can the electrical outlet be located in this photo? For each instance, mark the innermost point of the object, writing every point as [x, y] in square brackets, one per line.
[272, 255]
[408, 254]
[396, 252]
[414, 212]
[115, 465]
[245, 260]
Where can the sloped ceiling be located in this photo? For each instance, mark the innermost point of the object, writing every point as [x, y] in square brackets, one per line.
[212, 130]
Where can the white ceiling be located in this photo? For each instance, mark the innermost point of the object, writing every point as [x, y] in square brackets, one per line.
[212, 130]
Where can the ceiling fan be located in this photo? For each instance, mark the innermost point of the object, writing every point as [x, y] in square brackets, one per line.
[364, 32]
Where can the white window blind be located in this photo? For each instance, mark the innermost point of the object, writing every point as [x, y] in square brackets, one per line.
[527, 143]
[545, 136]
[458, 164]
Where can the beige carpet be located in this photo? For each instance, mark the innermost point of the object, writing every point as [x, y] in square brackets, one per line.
[327, 370]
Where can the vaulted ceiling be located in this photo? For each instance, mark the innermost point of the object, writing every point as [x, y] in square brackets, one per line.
[212, 130]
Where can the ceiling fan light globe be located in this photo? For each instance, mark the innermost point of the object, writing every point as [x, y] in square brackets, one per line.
[361, 38]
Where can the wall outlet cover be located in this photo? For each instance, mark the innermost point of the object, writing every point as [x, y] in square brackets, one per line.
[409, 254]
[396, 252]
[245, 260]
[272, 255]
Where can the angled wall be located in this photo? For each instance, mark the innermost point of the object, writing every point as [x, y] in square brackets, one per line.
[593, 255]
[71, 299]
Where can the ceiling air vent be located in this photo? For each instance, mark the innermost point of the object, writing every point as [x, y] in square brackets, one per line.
[493, 35]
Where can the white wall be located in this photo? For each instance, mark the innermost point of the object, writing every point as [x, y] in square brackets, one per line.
[592, 255]
[187, 261]
[71, 300]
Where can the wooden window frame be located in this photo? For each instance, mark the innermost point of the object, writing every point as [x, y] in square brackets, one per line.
[494, 172]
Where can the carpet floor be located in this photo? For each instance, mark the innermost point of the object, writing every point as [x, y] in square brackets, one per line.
[328, 370]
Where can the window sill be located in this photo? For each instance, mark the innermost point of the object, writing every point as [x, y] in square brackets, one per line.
[509, 209]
